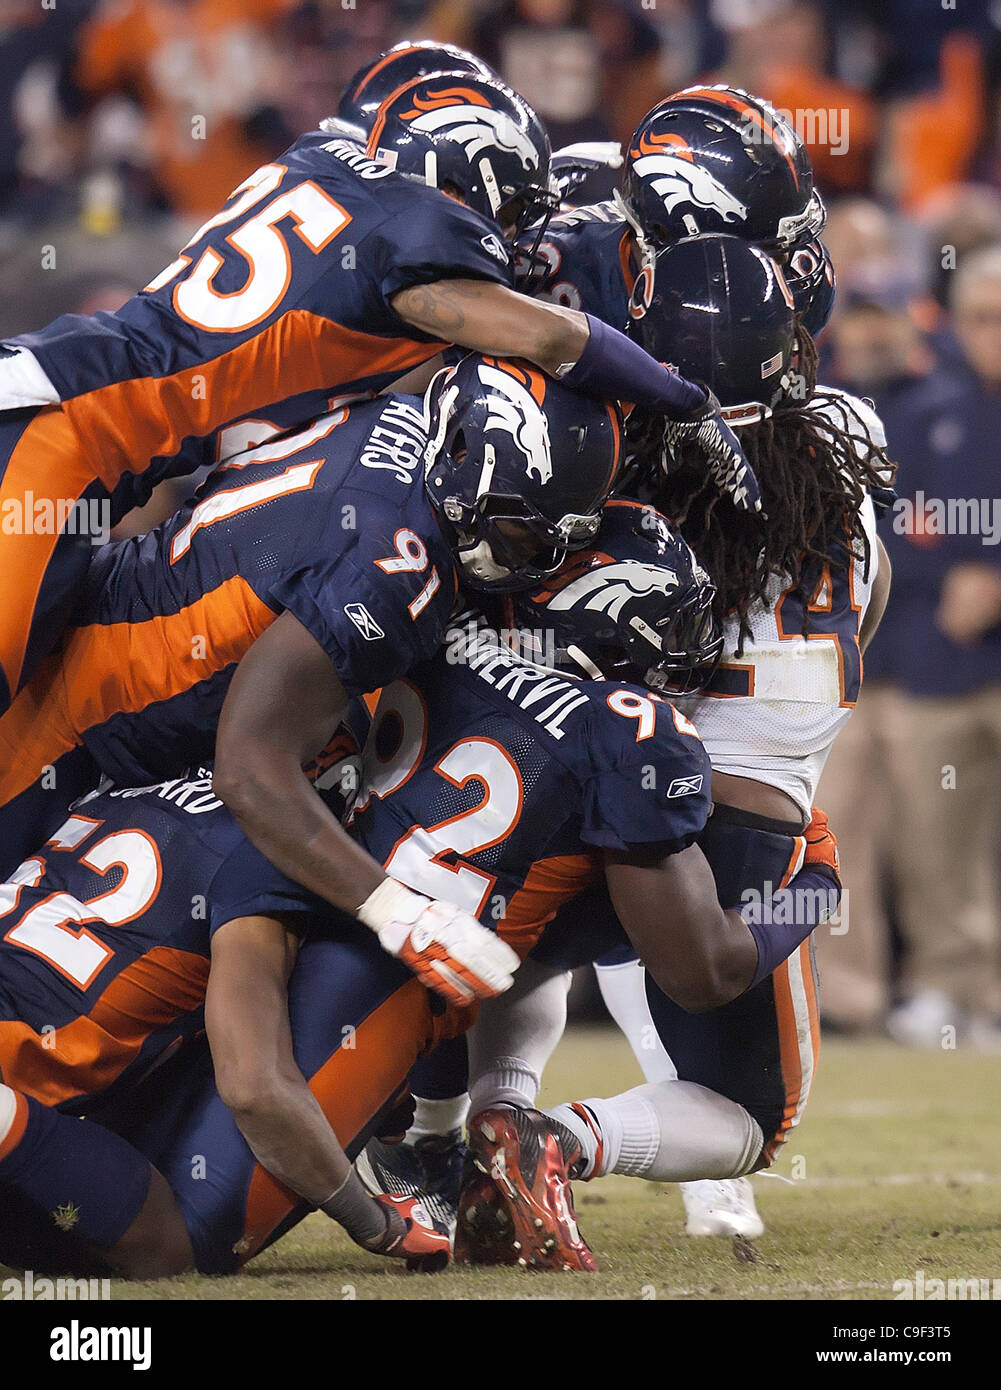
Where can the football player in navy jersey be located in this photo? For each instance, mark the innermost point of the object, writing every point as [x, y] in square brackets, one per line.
[104, 962]
[335, 269]
[708, 159]
[304, 573]
[559, 789]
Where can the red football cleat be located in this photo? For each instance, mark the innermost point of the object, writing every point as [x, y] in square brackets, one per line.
[516, 1204]
[413, 1235]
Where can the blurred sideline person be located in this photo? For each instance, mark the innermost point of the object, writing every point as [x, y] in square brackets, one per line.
[879, 353]
[941, 649]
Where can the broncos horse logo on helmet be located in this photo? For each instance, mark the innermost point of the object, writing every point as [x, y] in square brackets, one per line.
[608, 588]
[509, 410]
[637, 607]
[470, 135]
[467, 117]
[715, 159]
[517, 468]
[667, 164]
[373, 83]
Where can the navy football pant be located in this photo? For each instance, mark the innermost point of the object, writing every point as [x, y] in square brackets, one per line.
[359, 1022]
[760, 1050]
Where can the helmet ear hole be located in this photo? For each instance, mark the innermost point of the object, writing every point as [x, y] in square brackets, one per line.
[458, 448]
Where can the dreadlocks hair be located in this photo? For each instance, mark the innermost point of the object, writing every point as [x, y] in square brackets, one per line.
[814, 471]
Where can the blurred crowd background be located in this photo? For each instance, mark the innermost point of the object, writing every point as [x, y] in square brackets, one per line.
[126, 122]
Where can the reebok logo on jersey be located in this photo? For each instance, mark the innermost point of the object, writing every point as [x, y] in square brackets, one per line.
[494, 247]
[364, 622]
[685, 786]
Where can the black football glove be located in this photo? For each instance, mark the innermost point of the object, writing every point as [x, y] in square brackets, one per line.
[708, 431]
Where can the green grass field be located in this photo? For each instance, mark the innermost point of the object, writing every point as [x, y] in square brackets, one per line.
[899, 1169]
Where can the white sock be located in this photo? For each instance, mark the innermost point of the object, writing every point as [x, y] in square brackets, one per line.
[623, 988]
[514, 1037]
[669, 1131]
[437, 1117]
[510, 1081]
[616, 1136]
[584, 1127]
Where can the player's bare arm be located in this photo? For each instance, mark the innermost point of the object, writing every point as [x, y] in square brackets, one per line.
[246, 1018]
[587, 354]
[490, 318]
[700, 955]
[879, 597]
[284, 703]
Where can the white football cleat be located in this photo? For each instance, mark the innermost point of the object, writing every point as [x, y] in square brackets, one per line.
[721, 1208]
[921, 1021]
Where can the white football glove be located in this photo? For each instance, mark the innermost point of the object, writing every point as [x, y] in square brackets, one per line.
[447, 949]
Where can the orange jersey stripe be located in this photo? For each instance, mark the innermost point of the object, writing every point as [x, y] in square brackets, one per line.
[123, 667]
[792, 1074]
[352, 1086]
[89, 1053]
[47, 463]
[127, 423]
[796, 1085]
[114, 668]
[548, 885]
[788, 1024]
[35, 731]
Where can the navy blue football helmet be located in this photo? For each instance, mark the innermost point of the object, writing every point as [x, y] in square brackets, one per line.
[636, 606]
[373, 83]
[812, 284]
[473, 133]
[517, 468]
[721, 313]
[715, 159]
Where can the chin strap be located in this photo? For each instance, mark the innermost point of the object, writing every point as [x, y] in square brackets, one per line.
[585, 663]
[646, 248]
[478, 562]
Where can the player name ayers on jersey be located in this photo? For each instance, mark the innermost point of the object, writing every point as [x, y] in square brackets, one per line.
[332, 524]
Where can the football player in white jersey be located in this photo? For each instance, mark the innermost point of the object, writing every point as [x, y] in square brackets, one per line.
[800, 595]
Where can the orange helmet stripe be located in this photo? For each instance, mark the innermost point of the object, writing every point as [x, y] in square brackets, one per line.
[743, 108]
[652, 143]
[447, 96]
[383, 62]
